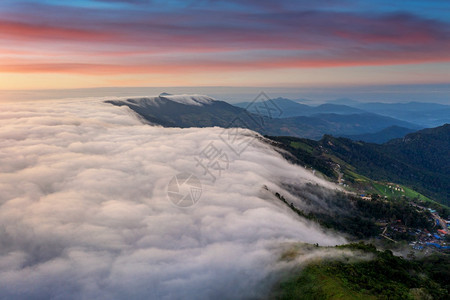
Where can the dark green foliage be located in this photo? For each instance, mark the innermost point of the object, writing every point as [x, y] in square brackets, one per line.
[437, 266]
[420, 160]
[427, 149]
[303, 157]
[357, 217]
[396, 209]
[384, 277]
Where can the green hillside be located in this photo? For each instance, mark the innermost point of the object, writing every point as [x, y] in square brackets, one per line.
[418, 165]
[384, 276]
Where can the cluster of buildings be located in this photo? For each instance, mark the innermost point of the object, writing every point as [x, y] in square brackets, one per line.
[434, 240]
[396, 188]
[437, 239]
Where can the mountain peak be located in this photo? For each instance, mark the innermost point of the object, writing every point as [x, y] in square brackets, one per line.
[185, 99]
[195, 99]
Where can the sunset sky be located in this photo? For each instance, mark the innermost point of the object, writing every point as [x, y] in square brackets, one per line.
[99, 43]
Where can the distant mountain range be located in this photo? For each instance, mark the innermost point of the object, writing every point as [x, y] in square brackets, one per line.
[382, 136]
[289, 108]
[424, 114]
[202, 111]
[421, 114]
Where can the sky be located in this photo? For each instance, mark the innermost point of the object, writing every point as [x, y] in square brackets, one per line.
[52, 44]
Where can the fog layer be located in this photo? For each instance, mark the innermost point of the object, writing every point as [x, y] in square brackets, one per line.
[84, 211]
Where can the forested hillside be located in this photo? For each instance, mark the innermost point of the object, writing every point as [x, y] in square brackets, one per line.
[420, 160]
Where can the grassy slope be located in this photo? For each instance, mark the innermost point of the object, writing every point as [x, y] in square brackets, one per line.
[302, 148]
[421, 164]
[384, 277]
[315, 283]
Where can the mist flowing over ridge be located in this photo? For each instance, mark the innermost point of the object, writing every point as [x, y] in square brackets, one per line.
[261, 115]
[84, 209]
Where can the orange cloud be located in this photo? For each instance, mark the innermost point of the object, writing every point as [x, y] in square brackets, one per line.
[206, 66]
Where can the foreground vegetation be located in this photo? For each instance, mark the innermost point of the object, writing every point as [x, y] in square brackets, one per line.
[358, 217]
[386, 276]
[372, 170]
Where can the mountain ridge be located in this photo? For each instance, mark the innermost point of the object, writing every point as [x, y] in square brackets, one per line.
[173, 111]
[383, 136]
[420, 160]
[291, 108]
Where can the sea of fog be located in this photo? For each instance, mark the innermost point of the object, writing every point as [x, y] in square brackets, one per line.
[85, 211]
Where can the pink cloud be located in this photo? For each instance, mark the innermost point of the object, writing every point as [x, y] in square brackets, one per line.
[217, 41]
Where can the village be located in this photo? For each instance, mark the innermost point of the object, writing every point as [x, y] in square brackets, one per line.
[421, 240]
